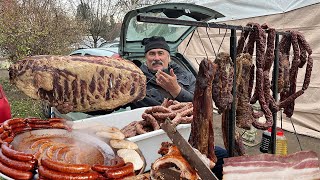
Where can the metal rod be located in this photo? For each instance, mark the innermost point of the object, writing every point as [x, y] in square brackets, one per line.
[233, 44]
[162, 20]
[232, 112]
[275, 94]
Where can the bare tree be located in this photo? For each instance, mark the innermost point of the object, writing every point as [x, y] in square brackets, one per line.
[104, 17]
[99, 17]
[32, 27]
[127, 5]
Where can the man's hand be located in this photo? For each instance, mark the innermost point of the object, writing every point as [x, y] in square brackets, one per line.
[168, 82]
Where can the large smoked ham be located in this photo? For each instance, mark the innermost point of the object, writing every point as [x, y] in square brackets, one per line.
[77, 83]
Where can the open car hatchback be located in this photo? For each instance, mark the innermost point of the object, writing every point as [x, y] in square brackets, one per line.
[133, 31]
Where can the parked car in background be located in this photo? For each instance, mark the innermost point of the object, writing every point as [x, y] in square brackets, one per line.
[109, 45]
[95, 52]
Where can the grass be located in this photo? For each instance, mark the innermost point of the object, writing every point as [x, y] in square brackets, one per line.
[21, 105]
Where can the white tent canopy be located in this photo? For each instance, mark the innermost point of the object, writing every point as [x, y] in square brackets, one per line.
[279, 14]
[241, 9]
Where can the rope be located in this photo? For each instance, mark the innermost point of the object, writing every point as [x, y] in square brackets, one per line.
[202, 44]
[215, 54]
[188, 43]
[222, 39]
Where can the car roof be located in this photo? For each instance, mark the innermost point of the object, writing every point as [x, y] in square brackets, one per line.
[95, 52]
[109, 44]
[133, 32]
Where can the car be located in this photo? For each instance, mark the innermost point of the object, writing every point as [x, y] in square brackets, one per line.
[109, 45]
[95, 52]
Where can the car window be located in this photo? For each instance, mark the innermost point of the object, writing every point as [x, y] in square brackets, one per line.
[139, 30]
[76, 54]
[114, 45]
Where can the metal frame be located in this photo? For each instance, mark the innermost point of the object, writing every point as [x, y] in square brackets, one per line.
[233, 54]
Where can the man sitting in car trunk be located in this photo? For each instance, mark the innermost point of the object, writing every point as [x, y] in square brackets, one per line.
[166, 79]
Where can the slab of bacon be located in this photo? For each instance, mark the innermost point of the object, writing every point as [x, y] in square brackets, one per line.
[299, 165]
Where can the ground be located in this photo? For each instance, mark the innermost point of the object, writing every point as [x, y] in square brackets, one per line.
[21, 105]
[14, 95]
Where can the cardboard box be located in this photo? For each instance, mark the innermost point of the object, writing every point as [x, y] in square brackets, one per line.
[148, 143]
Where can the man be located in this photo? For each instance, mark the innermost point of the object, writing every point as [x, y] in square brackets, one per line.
[166, 79]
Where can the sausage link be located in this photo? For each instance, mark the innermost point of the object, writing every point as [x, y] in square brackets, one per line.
[120, 171]
[39, 142]
[40, 126]
[61, 152]
[1, 129]
[51, 151]
[8, 123]
[14, 173]
[18, 130]
[4, 135]
[9, 139]
[20, 165]
[36, 121]
[151, 120]
[16, 155]
[56, 120]
[59, 125]
[115, 163]
[50, 174]
[65, 167]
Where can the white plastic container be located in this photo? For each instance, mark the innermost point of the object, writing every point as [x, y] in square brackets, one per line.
[148, 143]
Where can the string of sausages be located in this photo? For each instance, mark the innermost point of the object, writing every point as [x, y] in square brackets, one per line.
[300, 50]
[264, 60]
[177, 112]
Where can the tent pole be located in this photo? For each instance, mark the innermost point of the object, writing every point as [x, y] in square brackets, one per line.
[275, 93]
[232, 112]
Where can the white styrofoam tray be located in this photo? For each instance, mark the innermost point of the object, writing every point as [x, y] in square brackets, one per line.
[148, 143]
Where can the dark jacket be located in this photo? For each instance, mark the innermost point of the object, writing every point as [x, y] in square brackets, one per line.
[155, 94]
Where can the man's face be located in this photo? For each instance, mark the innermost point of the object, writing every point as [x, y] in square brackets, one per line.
[157, 59]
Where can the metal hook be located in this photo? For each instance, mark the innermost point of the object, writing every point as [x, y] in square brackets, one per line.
[208, 26]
